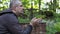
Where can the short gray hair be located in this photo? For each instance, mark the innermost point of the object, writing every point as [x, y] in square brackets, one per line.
[14, 3]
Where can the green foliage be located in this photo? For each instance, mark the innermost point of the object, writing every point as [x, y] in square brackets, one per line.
[57, 17]
[57, 26]
[27, 3]
[21, 20]
[4, 4]
[40, 16]
[50, 27]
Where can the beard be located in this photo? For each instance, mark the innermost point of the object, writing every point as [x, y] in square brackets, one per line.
[23, 15]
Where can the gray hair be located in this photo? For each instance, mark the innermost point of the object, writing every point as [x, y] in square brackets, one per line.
[14, 3]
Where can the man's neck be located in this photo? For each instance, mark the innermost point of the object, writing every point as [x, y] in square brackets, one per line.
[15, 12]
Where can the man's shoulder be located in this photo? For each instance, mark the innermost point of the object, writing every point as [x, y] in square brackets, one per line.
[7, 13]
[6, 10]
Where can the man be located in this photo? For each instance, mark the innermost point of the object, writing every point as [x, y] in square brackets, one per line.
[9, 23]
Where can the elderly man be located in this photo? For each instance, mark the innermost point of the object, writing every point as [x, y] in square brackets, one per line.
[9, 23]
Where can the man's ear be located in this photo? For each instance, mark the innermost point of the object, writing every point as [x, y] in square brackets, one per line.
[14, 8]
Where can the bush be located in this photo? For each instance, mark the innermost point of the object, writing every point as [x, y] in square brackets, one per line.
[57, 26]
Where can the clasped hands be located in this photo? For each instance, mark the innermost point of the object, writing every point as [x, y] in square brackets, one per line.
[35, 21]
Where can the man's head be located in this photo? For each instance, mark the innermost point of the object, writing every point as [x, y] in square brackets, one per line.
[16, 6]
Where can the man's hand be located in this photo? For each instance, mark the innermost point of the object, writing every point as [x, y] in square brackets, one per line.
[35, 21]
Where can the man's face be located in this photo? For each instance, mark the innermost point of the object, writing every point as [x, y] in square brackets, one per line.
[19, 9]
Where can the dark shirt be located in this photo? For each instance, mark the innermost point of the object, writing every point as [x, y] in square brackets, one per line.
[9, 24]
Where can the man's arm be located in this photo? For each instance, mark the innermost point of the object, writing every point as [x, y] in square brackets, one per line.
[14, 27]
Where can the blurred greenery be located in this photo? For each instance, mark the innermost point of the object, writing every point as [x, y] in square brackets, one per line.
[21, 20]
[34, 8]
[57, 26]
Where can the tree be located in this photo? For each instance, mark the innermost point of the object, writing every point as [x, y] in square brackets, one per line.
[4, 4]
